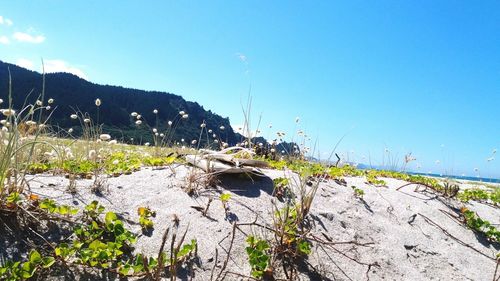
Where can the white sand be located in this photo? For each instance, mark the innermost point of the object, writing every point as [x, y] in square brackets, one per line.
[403, 250]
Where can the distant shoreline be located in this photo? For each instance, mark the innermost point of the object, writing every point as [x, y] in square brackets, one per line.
[468, 178]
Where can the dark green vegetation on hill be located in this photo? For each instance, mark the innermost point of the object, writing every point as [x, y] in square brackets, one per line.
[73, 93]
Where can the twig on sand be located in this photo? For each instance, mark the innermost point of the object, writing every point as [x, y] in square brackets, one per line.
[431, 222]
[330, 241]
[333, 261]
[410, 183]
[228, 253]
[496, 270]
[215, 264]
[330, 246]
[241, 275]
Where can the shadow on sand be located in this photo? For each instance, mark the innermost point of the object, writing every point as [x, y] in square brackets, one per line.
[246, 184]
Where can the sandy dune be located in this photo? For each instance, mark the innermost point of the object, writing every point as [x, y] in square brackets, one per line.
[413, 232]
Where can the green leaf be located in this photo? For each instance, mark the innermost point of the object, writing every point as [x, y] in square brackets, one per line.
[35, 257]
[63, 210]
[224, 197]
[28, 270]
[13, 198]
[187, 249]
[304, 247]
[48, 262]
[124, 270]
[110, 217]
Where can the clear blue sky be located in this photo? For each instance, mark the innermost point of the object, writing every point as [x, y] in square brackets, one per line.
[409, 76]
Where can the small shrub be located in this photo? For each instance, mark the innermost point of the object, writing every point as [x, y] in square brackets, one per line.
[258, 255]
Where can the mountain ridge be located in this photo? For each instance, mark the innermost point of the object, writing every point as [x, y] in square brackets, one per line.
[71, 92]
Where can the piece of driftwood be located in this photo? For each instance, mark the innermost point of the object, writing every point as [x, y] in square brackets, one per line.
[226, 161]
[238, 161]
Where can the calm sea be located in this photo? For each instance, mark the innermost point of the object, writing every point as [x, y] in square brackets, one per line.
[488, 180]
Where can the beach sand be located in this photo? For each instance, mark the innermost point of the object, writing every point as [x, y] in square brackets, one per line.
[412, 230]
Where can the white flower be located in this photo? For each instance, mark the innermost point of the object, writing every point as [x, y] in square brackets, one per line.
[105, 137]
[8, 112]
[146, 144]
[490, 159]
[210, 131]
[41, 126]
[5, 129]
[3, 122]
[156, 134]
[138, 122]
[112, 142]
[282, 152]
[203, 125]
[225, 144]
[30, 123]
[86, 120]
[115, 162]
[214, 136]
[182, 140]
[185, 116]
[139, 116]
[1, 101]
[73, 116]
[92, 154]
[261, 144]
[98, 102]
[222, 128]
[50, 101]
[38, 102]
[70, 130]
[155, 130]
[193, 142]
[133, 114]
[155, 111]
[216, 141]
[273, 150]
[47, 107]
[181, 112]
[170, 123]
[162, 135]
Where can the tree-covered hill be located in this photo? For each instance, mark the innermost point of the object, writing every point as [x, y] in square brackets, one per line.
[72, 93]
